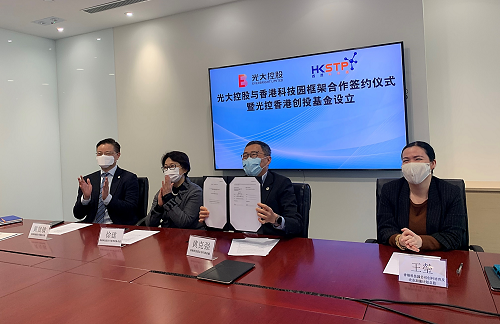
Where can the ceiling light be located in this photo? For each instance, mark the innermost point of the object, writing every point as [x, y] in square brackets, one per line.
[60, 29]
[111, 74]
[98, 39]
[10, 80]
[9, 41]
[129, 14]
[79, 69]
[45, 84]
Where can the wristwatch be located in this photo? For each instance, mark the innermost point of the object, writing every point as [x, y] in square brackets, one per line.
[279, 220]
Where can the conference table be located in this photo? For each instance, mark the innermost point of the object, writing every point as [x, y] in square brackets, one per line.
[70, 279]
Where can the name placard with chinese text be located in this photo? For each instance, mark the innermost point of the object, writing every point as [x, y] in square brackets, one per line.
[111, 236]
[423, 271]
[39, 231]
[201, 247]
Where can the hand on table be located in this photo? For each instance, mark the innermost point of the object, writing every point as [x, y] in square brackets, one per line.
[410, 240]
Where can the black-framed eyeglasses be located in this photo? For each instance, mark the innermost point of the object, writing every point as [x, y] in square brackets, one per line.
[252, 155]
[169, 167]
[105, 153]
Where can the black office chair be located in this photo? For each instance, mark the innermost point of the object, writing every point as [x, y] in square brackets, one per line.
[457, 182]
[142, 205]
[197, 180]
[303, 195]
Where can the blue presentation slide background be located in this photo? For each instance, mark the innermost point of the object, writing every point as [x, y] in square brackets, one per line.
[366, 134]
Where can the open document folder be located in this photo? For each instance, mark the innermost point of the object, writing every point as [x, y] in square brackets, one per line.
[232, 200]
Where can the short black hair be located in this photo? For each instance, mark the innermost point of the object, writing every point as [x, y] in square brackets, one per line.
[179, 157]
[425, 146]
[109, 141]
[265, 148]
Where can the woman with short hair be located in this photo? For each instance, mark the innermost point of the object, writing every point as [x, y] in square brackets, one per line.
[420, 211]
[178, 201]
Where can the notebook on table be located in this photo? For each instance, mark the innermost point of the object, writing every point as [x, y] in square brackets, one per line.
[226, 272]
[5, 220]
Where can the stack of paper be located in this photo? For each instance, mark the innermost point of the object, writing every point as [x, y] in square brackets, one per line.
[4, 236]
[252, 246]
[136, 236]
[66, 228]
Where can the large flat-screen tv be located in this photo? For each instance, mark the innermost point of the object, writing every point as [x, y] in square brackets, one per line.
[343, 109]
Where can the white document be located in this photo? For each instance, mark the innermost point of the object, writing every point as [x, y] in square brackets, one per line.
[244, 194]
[4, 236]
[392, 266]
[252, 246]
[137, 235]
[214, 198]
[63, 229]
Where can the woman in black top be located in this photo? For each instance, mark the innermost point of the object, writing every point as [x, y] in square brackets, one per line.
[420, 211]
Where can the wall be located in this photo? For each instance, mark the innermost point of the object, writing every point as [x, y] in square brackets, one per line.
[30, 168]
[87, 105]
[163, 94]
[461, 39]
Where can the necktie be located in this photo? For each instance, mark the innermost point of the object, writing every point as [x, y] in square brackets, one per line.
[101, 208]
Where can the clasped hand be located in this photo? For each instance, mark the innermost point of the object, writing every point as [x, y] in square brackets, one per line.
[410, 240]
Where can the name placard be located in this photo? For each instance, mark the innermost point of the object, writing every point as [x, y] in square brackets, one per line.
[39, 231]
[201, 247]
[423, 270]
[111, 236]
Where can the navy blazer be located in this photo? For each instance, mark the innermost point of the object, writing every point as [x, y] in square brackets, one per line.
[277, 192]
[446, 215]
[123, 207]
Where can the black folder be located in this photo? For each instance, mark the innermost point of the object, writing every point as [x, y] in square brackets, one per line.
[226, 272]
[492, 278]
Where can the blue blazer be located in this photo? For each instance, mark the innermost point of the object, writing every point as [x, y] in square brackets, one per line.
[122, 208]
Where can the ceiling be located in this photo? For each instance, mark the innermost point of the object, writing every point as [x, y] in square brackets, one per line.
[18, 15]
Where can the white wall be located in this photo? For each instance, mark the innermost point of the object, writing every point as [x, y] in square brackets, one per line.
[462, 50]
[87, 106]
[163, 92]
[30, 168]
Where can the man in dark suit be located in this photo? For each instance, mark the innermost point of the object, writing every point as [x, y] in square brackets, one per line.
[108, 196]
[277, 211]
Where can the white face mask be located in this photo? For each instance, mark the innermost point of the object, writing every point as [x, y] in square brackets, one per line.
[173, 174]
[105, 161]
[415, 172]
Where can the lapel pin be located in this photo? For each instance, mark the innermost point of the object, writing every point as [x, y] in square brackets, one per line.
[118, 177]
[267, 188]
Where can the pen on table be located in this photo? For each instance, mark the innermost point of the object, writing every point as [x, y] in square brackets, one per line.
[459, 270]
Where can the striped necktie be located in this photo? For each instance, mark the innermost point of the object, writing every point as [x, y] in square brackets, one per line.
[101, 208]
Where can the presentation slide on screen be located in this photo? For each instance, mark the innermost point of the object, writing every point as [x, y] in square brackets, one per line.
[337, 110]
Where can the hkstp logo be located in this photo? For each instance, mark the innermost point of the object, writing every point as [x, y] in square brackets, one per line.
[242, 80]
[339, 66]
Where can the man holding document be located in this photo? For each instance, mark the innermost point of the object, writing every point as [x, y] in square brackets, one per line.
[277, 211]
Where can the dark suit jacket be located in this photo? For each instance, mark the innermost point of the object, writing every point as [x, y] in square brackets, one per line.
[277, 192]
[122, 208]
[445, 212]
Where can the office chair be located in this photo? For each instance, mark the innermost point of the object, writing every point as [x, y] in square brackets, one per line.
[197, 180]
[142, 205]
[303, 195]
[457, 182]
